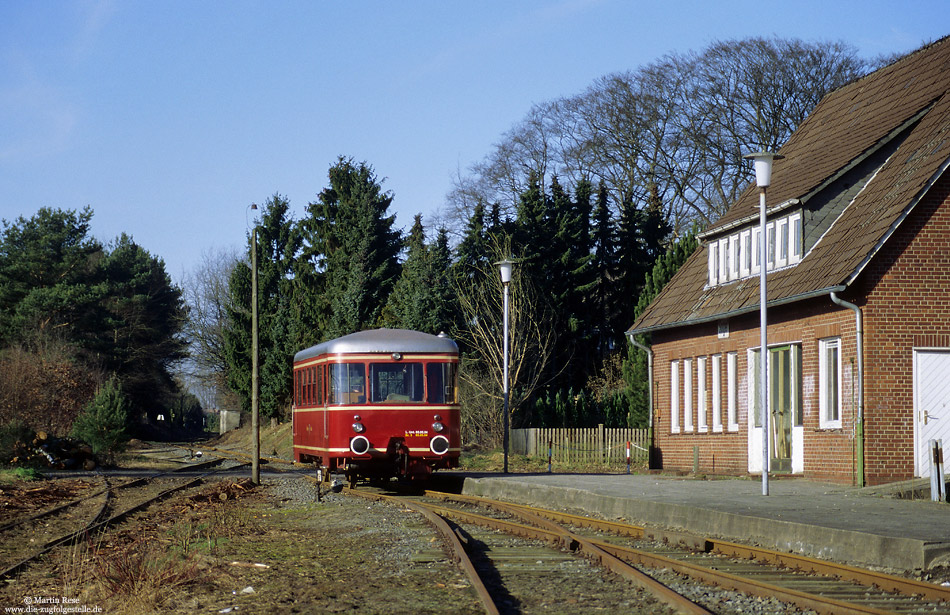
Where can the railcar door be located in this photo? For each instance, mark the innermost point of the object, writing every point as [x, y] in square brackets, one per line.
[931, 404]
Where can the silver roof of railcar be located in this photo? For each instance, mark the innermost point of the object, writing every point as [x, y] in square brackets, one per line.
[384, 341]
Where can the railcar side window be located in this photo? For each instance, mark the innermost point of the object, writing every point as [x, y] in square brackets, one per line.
[306, 386]
[440, 382]
[309, 385]
[396, 381]
[347, 383]
[319, 399]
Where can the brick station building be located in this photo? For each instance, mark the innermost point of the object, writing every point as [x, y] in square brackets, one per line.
[858, 237]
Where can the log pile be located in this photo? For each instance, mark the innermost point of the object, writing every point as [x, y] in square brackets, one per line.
[46, 450]
[220, 492]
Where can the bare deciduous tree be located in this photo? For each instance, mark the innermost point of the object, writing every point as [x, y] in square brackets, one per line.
[207, 295]
[675, 129]
[530, 346]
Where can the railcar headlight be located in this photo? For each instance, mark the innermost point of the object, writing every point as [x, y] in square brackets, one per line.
[438, 427]
[358, 427]
[439, 445]
[359, 445]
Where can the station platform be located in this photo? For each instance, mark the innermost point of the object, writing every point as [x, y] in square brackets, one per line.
[868, 526]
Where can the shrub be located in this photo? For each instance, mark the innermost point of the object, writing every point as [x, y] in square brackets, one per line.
[43, 389]
[103, 423]
[13, 436]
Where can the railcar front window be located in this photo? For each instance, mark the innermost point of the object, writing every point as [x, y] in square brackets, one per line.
[441, 383]
[396, 382]
[347, 383]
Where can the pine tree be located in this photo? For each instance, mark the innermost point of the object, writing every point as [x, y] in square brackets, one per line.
[445, 310]
[48, 283]
[420, 297]
[140, 332]
[471, 255]
[278, 247]
[635, 374]
[350, 235]
[603, 295]
[104, 421]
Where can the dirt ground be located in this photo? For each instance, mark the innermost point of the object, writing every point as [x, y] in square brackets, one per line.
[232, 548]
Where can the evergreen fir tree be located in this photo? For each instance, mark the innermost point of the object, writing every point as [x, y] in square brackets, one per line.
[420, 298]
[350, 233]
[603, 296]
[278, 247]
[635, 374]
[104, 421]
[471, 255]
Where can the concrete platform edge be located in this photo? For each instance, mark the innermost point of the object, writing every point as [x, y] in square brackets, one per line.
[812, 540]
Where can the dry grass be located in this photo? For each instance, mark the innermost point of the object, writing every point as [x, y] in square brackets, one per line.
[140, 577]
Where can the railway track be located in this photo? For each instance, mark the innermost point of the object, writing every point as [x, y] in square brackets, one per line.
[27, 539]
[642, 555]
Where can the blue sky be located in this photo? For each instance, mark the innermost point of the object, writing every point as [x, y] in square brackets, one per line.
[169, 118]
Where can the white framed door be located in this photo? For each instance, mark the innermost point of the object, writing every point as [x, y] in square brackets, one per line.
[786, 434]
[931, 404]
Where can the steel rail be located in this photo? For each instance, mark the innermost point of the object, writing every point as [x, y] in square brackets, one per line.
[870, 578]
[727, 580]
[561, 537]
[612, 562]
[803, 563]
[459, 555]
[108, 489]
[867, 578]
[707, 575]
[97, 524]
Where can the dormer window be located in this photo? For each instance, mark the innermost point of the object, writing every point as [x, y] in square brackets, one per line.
[739, 255]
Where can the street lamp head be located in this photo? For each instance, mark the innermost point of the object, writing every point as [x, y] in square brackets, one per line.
[762, 161]
[505, 267]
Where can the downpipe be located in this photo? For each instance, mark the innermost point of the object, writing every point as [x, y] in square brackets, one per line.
[859, 419]
[649, 352]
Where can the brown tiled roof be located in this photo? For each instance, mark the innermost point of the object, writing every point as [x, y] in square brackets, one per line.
[846, 125]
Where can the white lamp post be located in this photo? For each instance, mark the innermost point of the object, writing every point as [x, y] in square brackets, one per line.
[505, 267]
[255, 383]
[763, 177]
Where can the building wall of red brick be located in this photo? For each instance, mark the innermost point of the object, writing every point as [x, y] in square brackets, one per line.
[828, 453]
[904, 294]
[908, 307]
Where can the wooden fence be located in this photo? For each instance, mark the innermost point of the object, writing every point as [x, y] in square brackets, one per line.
[581, 445]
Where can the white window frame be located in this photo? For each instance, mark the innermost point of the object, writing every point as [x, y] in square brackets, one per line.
[702, 395]
[795, 238]
[771, 245]
[732, 391]
[756, 250]
[713, 249]
[745, 249]
[723, 260]
[738, 256]
[688, 395]
[674, 396]
[717, 393]
[734, 255]
[781, 242]
[824, 420]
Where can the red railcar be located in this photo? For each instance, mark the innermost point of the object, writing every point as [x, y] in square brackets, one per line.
[378, 404]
